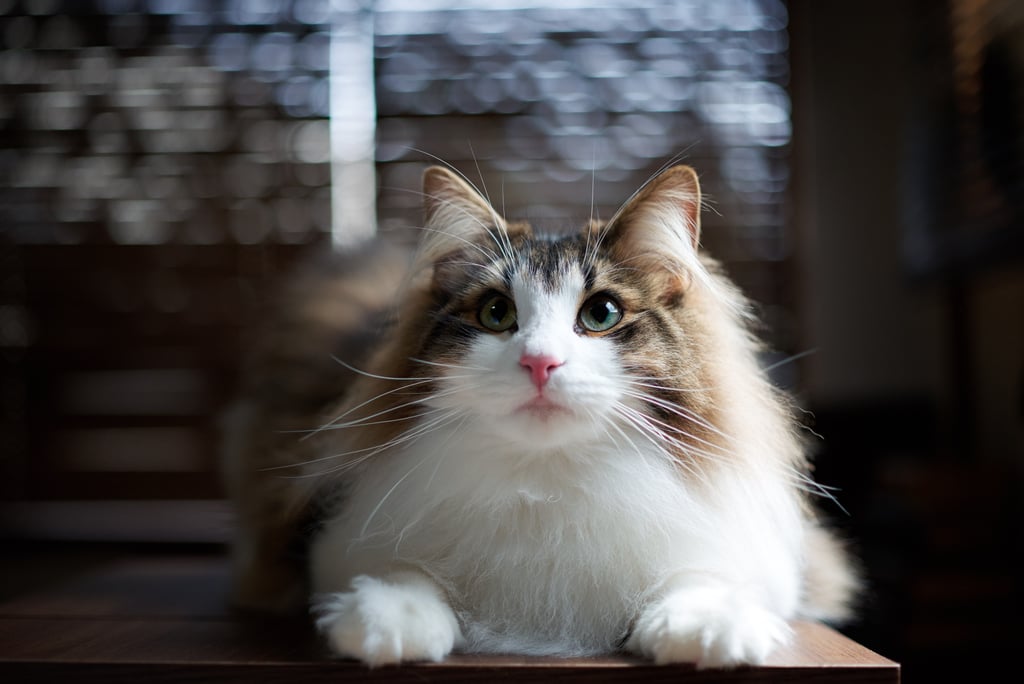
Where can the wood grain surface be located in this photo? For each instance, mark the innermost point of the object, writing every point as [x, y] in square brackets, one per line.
[164, 619]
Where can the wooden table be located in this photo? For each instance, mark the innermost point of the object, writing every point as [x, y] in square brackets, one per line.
[151, 619]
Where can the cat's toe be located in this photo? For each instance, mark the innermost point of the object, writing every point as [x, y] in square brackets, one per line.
[383, 623]
[747, 636]
[707, 627]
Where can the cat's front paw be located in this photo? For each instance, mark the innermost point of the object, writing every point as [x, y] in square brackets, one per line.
[383, 622]
[709, 626]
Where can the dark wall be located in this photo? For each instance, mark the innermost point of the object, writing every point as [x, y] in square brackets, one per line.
[912, 298]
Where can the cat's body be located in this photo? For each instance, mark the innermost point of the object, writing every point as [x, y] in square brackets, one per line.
[557, 445]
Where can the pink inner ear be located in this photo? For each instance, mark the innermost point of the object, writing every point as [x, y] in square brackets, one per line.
[447, 195]
[678, 187]
[691, 212]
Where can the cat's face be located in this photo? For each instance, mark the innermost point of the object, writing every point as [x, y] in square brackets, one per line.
[538, 342]
[550, 342]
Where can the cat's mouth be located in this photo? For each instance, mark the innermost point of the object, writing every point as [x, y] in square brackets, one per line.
[543, 408]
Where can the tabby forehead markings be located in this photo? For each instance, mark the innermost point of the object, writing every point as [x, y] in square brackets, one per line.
[549, 262]
[589, 276]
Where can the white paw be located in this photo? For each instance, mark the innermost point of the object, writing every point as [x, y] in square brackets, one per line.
[712, 627]
[386, 622]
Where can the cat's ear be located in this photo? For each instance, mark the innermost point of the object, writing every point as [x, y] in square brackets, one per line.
[454, 213]
[658, 229]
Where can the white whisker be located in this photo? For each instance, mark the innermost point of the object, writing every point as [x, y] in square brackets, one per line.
[402, 479]
[395, 390]
[789, 359]
[366, 453]
[657, 383]
[656, 438]
[653, 426]
[422, 400]
[672, 428]
[456, 366]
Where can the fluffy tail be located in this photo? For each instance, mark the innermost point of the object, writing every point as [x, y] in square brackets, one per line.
[332, 308]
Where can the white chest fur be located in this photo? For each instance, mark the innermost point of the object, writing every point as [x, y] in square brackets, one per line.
[556, 552]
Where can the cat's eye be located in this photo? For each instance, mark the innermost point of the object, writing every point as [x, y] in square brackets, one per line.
[600, 313]
[498, 313]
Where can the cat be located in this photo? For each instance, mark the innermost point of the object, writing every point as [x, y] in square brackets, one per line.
[517, 442]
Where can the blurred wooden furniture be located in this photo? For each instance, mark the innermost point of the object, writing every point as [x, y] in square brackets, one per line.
[162, 618]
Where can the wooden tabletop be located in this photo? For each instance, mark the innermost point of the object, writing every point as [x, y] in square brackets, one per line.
[164, 619]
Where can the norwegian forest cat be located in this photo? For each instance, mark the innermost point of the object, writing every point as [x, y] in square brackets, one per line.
[526, 443]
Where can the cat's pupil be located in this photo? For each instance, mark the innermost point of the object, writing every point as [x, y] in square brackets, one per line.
[499, 310]
[601, 312]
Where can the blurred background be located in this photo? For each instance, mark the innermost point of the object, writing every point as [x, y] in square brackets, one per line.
[162, 161]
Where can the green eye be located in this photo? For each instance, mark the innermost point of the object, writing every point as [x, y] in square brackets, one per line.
[498, 313]
[600, 313]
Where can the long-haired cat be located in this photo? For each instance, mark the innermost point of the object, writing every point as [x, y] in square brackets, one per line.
[527, 443]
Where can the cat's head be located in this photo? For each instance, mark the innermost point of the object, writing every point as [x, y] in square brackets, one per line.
[546, 341]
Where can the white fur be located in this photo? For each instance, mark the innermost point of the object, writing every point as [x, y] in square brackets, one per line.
[383, 622]
[712, 624]
[555, 534]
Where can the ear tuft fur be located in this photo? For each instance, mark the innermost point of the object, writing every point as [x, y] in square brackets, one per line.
[456, 216]
[658, 230]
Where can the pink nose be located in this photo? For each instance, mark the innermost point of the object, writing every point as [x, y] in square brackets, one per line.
[540, 367]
